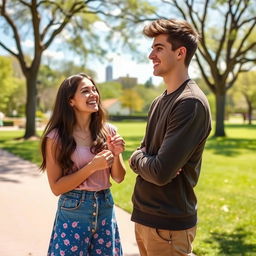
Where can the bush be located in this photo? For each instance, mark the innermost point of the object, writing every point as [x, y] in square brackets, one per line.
[8, 123]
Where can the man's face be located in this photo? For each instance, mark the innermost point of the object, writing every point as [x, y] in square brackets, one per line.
[163, 57]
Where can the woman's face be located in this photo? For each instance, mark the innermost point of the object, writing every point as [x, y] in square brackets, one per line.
[86, 98]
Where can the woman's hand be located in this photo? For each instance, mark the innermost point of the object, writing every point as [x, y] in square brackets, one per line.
[116, 144]
[103, 160]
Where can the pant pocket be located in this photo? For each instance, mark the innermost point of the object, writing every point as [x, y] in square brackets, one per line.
[162, 235]
[69, 204]
[182, 240]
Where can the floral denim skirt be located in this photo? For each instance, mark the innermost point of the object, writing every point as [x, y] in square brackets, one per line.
[85, 225]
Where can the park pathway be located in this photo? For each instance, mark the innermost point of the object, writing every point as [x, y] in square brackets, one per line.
[28, 208]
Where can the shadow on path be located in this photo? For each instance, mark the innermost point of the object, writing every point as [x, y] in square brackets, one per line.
[11, 168]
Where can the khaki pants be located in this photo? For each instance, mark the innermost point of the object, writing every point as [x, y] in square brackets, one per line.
[160, 242]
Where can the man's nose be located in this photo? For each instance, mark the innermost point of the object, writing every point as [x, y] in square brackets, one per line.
[151, 55]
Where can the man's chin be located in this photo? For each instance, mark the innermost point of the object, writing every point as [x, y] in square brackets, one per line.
[155, 73]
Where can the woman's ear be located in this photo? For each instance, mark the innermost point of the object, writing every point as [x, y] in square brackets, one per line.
[71, 103]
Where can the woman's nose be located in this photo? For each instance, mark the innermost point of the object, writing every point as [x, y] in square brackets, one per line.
[93, 93]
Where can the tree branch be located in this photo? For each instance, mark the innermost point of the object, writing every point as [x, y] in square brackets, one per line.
[237, 7]
[223, 38]
[9, 50]
[245, 60]
[239, 52]
[246, 2]
[24, 3]
[47, 27]
[36, 28]
[73, 10]
[20, 55]
[232, 34]
[230, 84]
[177, 6]
[211, 86]
[246, 21]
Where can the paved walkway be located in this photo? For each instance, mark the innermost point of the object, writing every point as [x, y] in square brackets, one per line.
[28, 208]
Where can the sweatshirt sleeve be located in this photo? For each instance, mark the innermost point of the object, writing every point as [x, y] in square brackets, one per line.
[142, 144]
[185, 131]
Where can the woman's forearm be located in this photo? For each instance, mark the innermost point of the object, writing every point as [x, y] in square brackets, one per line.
[71, 181]
[118, 169]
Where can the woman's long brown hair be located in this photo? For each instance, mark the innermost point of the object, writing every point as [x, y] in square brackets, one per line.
[63, 120]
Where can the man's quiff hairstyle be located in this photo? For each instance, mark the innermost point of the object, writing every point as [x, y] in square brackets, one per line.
[179, 32]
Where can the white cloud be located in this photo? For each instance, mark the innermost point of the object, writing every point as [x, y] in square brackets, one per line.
[28, 43]
[101, 26]
[54, 54]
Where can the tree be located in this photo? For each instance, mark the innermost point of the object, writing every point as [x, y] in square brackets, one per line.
[42, 21]
[228, 44]
[10, 86]
[109, 90]
[246, 86]
[5, 81]
[132, 100]
[148, 94]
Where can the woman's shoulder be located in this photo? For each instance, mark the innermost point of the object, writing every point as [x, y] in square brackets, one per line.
[111, 128]
[53, 134]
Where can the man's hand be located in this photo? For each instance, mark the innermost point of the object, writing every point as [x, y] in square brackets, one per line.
[143, 149]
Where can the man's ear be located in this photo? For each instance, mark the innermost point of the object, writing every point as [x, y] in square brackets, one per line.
[182, 52]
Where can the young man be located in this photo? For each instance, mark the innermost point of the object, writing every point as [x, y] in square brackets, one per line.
[169, 160]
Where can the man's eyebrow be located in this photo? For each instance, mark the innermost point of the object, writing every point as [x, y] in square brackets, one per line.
[156, 45]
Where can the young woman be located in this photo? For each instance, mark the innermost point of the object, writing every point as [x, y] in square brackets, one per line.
[80, 152]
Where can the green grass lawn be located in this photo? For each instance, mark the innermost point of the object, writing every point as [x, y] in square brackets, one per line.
[226, 188]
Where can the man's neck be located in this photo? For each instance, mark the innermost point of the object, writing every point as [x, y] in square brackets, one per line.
[174, 81]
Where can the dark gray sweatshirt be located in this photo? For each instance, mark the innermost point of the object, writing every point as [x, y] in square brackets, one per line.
[178, 126]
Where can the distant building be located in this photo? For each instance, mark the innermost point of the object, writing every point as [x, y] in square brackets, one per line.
[109, 73]
[127, 82]
[114, 107]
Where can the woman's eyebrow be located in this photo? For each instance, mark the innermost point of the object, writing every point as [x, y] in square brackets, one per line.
[87, 86]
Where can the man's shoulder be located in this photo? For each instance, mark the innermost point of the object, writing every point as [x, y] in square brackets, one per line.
[193, 91]
[155, 101]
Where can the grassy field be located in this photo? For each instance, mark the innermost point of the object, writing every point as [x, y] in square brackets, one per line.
[226, 188]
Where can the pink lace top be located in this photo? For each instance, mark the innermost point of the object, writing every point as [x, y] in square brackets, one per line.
[82, 155]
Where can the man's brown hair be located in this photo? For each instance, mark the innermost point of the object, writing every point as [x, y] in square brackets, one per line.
[179, 32]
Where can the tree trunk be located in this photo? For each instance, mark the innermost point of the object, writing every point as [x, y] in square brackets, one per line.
[249, 113]
[220, 114]
[30, 129]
